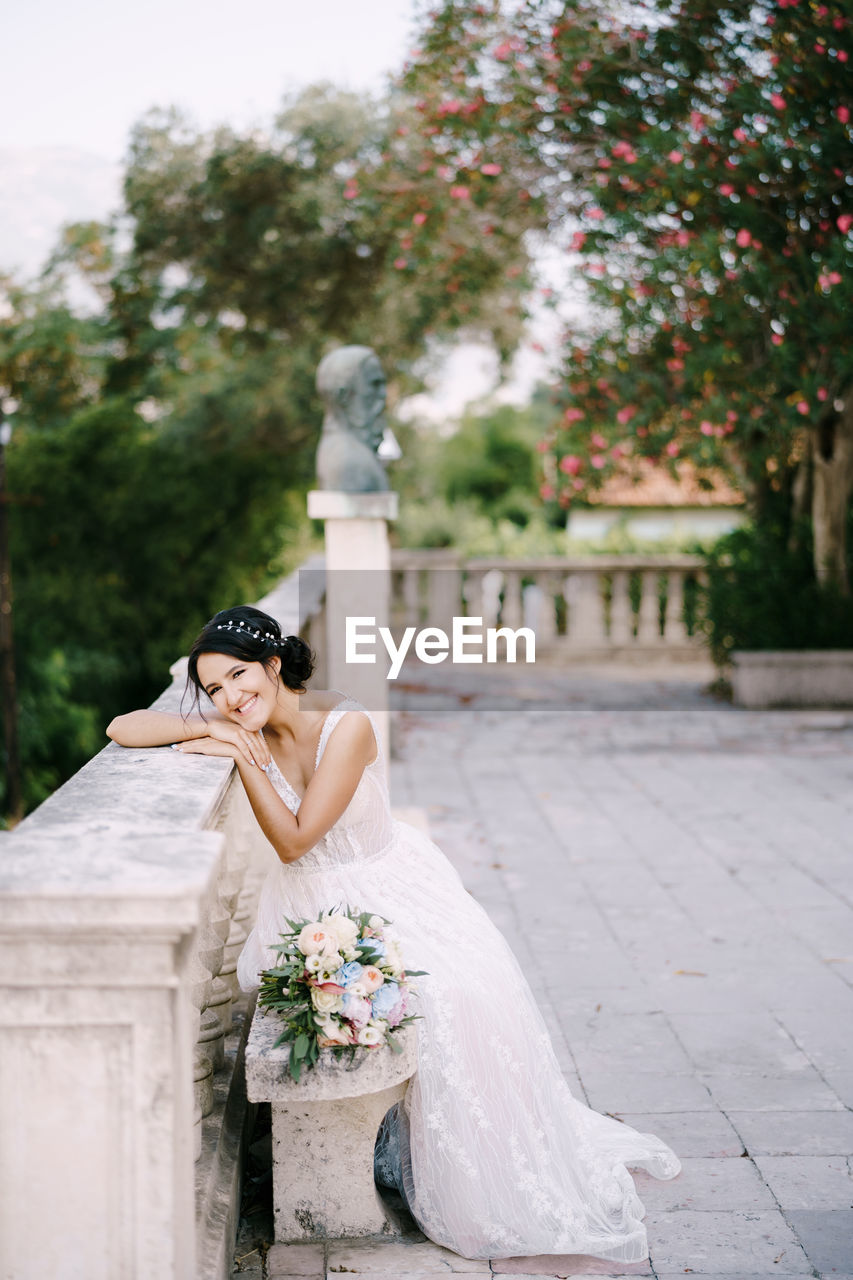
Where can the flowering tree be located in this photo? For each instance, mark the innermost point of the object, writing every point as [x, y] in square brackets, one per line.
[696, 160]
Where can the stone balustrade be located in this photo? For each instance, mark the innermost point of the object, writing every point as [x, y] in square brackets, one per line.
[581, 607]
[124, 901]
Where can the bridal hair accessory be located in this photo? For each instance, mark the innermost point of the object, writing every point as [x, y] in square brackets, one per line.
[249, 631]
[339, 983]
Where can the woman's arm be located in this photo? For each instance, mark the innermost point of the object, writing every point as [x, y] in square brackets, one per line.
[155, 729]
[350, 748]
[162, 729]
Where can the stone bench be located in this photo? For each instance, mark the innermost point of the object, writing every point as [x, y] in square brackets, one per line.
[324, 1130]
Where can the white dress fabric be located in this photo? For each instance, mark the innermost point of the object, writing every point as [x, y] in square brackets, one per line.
[498, 1158]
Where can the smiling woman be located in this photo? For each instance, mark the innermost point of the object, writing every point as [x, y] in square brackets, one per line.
[491, 1152]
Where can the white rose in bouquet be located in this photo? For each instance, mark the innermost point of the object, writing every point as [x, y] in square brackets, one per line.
[345, 930]
[370, 1037]
[326, 1002]
[315, 938]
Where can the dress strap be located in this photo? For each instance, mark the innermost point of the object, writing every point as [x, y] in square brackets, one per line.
[338, 710]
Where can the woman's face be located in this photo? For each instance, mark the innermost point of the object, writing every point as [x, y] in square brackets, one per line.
[245, 692]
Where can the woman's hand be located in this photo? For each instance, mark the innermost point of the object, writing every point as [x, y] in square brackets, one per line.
[250, 745]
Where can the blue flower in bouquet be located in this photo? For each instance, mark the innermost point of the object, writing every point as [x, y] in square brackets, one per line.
[377, 946]
[349, 973]
[385, 999]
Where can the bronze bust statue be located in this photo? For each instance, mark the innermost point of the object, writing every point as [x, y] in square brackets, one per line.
[352, 385]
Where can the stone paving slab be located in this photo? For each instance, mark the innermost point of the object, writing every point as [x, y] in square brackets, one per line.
[296, 1260]
[795, 1133]
[564, 1265]
[399, 1258]
[740, 1242]
[690, 1133]
[827, 1236]
[808, 1182]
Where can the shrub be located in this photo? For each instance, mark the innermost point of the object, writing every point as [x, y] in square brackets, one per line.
[761, 593]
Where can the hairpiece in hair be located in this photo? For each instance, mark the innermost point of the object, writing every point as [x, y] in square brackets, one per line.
[267, 635]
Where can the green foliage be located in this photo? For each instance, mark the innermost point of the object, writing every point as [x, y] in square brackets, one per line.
[761, 594]
[163, 445]
[695, 160]
[476, 489]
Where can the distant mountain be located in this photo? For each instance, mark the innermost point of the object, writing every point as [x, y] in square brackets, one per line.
[42, 188]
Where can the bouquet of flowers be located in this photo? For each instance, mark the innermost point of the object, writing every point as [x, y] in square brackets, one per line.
[339, 984]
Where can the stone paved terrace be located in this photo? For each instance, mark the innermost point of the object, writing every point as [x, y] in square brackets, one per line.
[676, 876]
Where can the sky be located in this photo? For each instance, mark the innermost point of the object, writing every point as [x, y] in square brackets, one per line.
[77, 76]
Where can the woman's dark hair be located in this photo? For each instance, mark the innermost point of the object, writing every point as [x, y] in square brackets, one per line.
[252, 636]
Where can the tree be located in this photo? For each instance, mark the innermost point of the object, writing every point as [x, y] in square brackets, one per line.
[696, 158]
[164, 442]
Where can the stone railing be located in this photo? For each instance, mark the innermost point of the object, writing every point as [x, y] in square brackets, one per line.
[124, 902]
[583, 607]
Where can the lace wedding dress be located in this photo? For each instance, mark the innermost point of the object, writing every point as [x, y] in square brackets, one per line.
[496, 1158]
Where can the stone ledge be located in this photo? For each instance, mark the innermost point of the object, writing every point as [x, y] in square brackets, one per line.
[796, 678]
[333, 1076]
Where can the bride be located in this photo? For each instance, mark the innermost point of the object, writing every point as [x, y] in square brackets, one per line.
[493, 1155]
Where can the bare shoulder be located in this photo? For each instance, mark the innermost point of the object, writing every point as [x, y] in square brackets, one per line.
[353, 735]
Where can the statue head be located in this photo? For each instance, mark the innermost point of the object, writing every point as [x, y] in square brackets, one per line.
[352, 385]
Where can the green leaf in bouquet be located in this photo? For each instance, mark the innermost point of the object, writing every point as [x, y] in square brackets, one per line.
[300, 1045]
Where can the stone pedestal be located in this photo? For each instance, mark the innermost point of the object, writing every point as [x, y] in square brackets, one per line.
[358, 585]
[324, 1132]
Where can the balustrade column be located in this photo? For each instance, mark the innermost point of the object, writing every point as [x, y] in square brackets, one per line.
[586, 610]
[648, 623]
[675, 631]
[621, 617]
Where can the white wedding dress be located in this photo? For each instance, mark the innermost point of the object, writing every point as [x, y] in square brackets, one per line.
[497, 1158]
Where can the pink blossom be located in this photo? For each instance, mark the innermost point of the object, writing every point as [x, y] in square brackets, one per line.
[672, 449]
[419, 219]
[573, 414]
[731, 416]
[675, 157]
[598, 461]
[844, 223]
[674, 364]
[726, 189]
[776, 339]
[605, 162]
[822, 393]
[459, 193]
[597, 441]
[740, 134]
[595, 213]
[842, 55]
[697, 121]
[491, 170]
[802, 407]
[743, 238]
[351, 190]
[707, 428]
[570, 465]
[617, 452]
[400, 263]
[625, 414]
[578, 240]
[546, 492]
[777, 101]
[843, 114]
